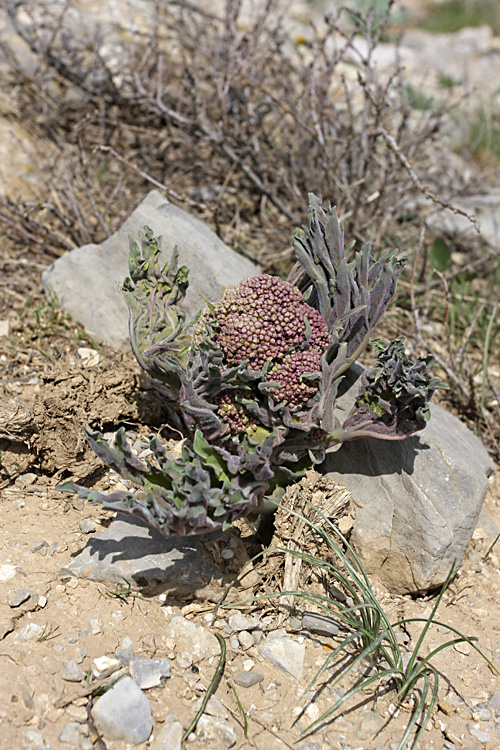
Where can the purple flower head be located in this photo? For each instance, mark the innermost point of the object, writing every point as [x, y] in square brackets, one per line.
[294, 390]
[263, 319]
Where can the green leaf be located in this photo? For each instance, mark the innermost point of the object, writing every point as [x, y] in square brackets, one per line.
[440, 255]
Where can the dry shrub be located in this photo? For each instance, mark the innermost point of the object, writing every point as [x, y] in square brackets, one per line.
[228, 111]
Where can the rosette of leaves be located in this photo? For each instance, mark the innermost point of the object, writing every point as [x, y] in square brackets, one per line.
[255, 377]
[205, 489]
[393, 400]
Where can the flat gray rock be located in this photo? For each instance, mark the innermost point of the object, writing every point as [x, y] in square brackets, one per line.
[417, 501]
[149, 673]
[98, 269]
[71, 672]
[320, 624]
[129, 549]
[248, 679]
[285, 655]
[124, 713]
[19, 597]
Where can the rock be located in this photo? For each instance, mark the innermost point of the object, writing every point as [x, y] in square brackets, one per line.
[124, 655]
[194, 638]
[129, 549]
[149, 673]
[417, 500]
[124, 713]
[71, 672]
[34, 741]
[241, 622]
[95, 626]
[480, 734]
[485, 208]
[213, 266]
[73, 732]
[248, 679]
[32, 632]
[169, 737]
[285, 655]
[19, 597]
[215, 734]
[86, 526]
[7, 572]
[320, 624]
[246, 640]
[104, 666]
[494, 701]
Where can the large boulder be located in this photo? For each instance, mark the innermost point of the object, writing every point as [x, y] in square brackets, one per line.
[417, 501]
[85, 281]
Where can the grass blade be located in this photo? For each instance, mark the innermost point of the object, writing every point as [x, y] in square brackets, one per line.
[211, 688]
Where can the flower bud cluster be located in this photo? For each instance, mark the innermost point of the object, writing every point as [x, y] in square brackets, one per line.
[294, 391]
[233, 413]
[262, 319]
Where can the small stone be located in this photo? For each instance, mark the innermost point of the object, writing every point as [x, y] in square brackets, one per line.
[320, 624]
[479, 734]
[278, 633]
[124, 655]
[445, 707]
[169, 737]
[95, 626]
[294, 623]
[310, 746]
[52, 548]
[86, 526]
[149, 673]
[81, 656]
[234, 642]
[123, 713]
[462, 648]
[27, 700]
[38, 546]
[104, 666]
[482, 714]
[246, 639]
[77, 713]
[7, 572]
[32, 632]
[216, 734]
[248, 679]
[240, 622]
[494, 701]
[214, 707]
[39, 600]
[71, 672]
[227, 554]
[285, 655]
[18, 597]
[26, 480]
[72, 733]
[248, 665]
[90, 356]
[34, 741]
[257, 636]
